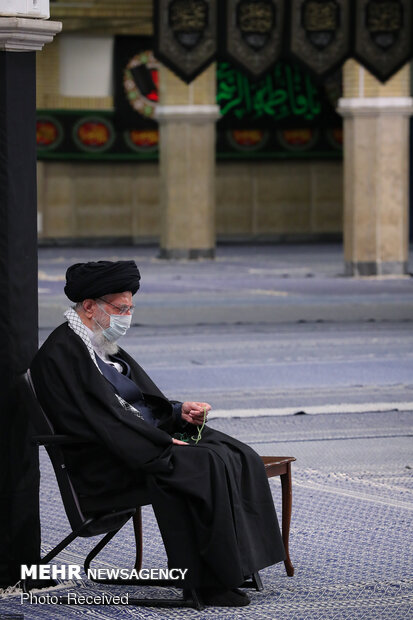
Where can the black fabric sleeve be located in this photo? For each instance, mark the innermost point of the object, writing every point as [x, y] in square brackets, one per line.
[177, 412]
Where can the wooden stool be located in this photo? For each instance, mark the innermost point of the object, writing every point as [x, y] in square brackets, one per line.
[281, 466]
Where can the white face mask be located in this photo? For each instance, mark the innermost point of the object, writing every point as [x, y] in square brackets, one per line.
[118, 325]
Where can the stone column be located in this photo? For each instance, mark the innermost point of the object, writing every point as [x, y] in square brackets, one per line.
[19, 481]
[376, 170]
[187, 115]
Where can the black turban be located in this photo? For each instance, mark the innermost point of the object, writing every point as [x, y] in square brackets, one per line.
[93, 280]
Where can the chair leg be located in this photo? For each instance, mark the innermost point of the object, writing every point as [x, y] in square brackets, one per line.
[192, 602]
[196, 602]
[27, 584]
[253, 582]
[65, 542]
[137, 528]
[286, 487]
[102, 543]
[256, 580]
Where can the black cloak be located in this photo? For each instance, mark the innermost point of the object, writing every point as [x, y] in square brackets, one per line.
[212, 501]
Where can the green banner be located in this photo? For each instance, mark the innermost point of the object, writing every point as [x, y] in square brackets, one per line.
[287, 97]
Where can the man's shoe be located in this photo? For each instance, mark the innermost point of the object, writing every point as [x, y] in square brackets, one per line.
[240, 592]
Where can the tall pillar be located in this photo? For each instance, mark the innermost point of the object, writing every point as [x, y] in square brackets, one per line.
[187, 115]
[19, 479]
[376, 171]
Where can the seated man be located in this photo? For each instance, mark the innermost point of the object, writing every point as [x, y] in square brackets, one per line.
[211, 498]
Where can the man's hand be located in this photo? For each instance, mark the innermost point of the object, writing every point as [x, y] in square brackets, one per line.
[178, 442]
[193, 412]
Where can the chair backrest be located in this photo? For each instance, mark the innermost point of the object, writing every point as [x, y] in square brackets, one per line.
[42, 426]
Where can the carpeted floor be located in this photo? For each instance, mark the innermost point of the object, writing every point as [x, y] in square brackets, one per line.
[350, 539]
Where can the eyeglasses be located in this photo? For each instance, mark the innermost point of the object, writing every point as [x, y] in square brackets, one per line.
[121, 309]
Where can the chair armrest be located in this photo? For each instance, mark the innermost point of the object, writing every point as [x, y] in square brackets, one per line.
[57, 440]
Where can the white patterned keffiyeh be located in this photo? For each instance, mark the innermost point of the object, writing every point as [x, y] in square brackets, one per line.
[75, 323]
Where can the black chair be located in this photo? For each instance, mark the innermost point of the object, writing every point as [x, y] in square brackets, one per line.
[87, 525]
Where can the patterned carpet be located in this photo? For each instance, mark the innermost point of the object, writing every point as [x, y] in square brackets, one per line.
[350, 539]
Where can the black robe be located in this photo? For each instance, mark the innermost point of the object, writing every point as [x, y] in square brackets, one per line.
[212, 501]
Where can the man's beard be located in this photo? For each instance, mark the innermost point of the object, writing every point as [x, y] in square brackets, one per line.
[102, 343]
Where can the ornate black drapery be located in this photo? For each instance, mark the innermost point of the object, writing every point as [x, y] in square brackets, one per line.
[254, 34]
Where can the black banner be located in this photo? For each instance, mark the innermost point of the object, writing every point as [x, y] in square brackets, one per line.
[92, 135]
[185, 35]
[253, 34]
[383, 35]
[136, 83]
[320, 33]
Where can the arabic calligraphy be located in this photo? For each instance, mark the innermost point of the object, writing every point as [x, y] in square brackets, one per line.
[46, 133]
[255, 17]
[188, 15]
[285, 92]
[384, 16]
[320, 15]
[93, 134]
